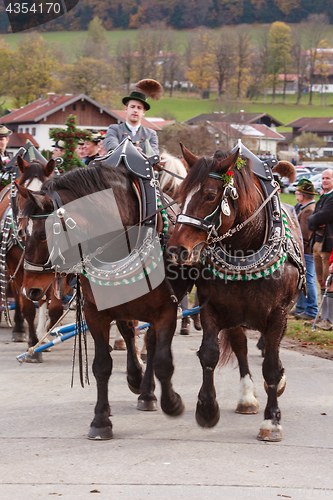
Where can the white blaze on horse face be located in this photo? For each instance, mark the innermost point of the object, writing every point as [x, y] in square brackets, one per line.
[33, 185]
[29, 227]
[188, 199]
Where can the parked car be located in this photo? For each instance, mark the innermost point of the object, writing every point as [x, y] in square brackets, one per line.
[303, 175]
[316, 181]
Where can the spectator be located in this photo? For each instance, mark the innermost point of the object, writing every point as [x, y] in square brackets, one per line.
[91, 148]
[58, 149]
[4, 139]
[306, 308]
[321, 223]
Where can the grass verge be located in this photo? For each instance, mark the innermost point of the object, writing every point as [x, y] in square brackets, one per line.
[298, 331]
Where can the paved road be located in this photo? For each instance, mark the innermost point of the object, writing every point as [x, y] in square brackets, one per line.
[44, 423]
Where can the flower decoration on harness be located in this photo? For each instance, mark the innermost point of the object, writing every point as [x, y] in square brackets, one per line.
[227, 178]
[240, 163]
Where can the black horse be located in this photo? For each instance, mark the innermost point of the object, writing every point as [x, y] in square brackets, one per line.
[253, 271]
[155, 307]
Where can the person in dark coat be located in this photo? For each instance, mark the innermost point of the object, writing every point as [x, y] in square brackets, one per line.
[321, 223]
[136, 105]
[307, 308]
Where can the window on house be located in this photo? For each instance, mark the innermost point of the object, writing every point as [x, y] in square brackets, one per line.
[74, 107]
[83, 107]
[27, 130]
[33, 131]
[20, 130]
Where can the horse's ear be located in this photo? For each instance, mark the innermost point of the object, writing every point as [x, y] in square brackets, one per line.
[229, 161]
[22, 164]
[22, 190]
[189, 157]
[37, 199]
[49, 167]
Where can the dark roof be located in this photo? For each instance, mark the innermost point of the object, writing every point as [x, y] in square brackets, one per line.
[37, 110]
[309, 124]
[232, 118]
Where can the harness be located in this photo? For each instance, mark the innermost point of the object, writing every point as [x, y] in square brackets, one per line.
[143, 258]
[279, 243]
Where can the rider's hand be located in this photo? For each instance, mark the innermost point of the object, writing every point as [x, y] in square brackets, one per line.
[138, 148]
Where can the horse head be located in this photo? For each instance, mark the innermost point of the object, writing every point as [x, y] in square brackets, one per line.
[210, 202]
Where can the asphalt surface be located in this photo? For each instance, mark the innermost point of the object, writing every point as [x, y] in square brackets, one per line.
[44, 452]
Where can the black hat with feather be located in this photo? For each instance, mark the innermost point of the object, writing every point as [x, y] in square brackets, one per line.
[145, 89]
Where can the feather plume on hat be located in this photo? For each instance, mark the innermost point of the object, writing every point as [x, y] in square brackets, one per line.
[151, 88]
[285, 169]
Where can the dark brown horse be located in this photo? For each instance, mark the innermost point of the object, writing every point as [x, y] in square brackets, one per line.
[32, 177]
[155, 307]
[253, 270]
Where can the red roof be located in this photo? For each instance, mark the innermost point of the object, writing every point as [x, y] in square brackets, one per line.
[310, 124]
[17, 140]
[255, 130]
[37, 110]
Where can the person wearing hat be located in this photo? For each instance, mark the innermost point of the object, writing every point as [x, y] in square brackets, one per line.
[58, 149]
[306, 308]
[90, 147]
[136, 105]
[80, 150]
[4, 139]
[321, 223]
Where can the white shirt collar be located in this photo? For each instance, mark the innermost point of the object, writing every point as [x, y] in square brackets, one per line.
[134, 130]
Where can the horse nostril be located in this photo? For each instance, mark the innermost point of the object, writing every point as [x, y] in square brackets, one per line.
[35, 294]
[182, 255]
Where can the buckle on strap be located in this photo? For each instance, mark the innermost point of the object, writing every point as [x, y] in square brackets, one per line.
[194, 221]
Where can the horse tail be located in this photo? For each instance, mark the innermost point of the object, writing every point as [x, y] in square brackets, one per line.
[285, 169]
[226, 353]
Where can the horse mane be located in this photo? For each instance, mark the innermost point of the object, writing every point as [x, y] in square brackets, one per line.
[176, 166]
[83, 181]
[35, 169]
[243, 180]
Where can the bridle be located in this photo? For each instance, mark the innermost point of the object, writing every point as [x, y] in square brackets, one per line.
[212, 222]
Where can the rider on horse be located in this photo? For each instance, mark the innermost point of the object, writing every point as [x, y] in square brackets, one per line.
[136, 105]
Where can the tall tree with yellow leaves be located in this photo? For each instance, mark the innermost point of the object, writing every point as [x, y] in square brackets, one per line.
[279, 47]
[201, 69]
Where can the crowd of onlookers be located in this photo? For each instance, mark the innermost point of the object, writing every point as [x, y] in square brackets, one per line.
[316, 222]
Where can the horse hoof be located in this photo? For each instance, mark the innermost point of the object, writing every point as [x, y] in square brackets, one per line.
[34, 358]
[100, 433]
[146, 405]
[19, 337]
[135, 390]
[281, 386]
[176, 410]
[202, 420]
[247, 409]
[270, 435]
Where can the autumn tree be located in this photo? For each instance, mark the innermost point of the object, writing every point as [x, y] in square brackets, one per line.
[309, 143]
[279, 51]
[95, 78]
[263, 56]
[201, 67]
[126, 62]
[315, 30]
[95, 43]
[197, 139]
[223, 58]
[7, 72]
[299, 60]
[287, 6]
[34, 65]
[243, 59]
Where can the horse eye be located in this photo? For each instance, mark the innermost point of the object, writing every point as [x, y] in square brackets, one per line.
[209, 197]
